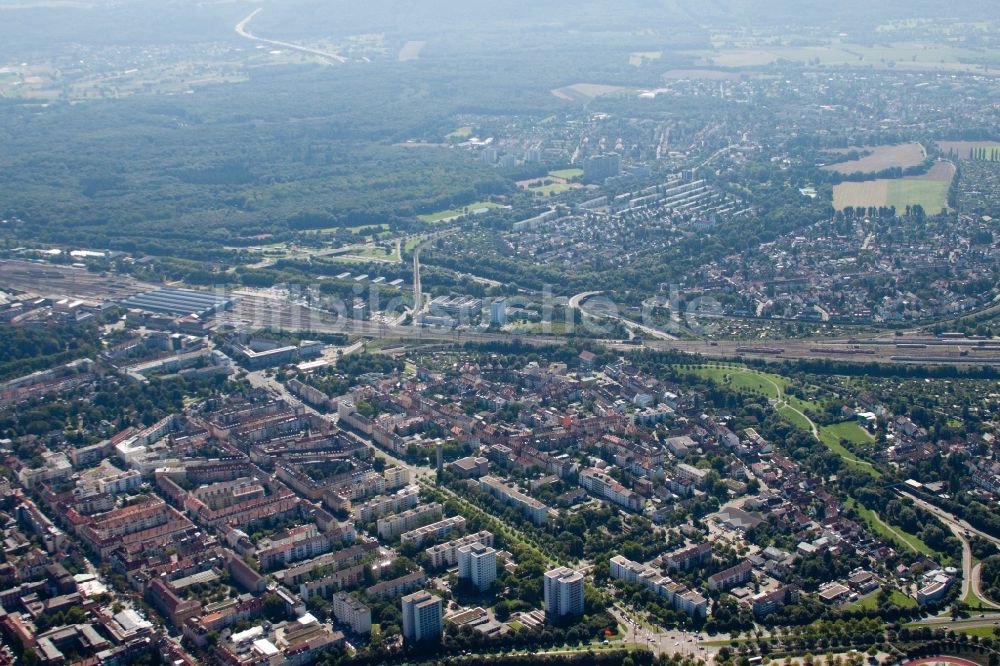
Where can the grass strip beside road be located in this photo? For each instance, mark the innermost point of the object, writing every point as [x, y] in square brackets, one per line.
[892, 533]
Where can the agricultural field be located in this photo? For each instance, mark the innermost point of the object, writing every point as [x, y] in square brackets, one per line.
[585, 92]
[917, 56]
[642, 57]
[989, 150]
[411, 50]
[879, 158]
[929, 191]
[47, 82]
[700, 74]
[454, 213]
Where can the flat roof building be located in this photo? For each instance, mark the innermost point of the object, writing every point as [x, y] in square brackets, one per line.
[421, 616]
[477, 563]
[179, 302]
[563, 593]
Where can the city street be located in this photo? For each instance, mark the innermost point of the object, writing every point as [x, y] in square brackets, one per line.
[662, 641]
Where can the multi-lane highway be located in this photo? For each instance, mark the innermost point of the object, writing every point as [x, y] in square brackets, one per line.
[242, 30]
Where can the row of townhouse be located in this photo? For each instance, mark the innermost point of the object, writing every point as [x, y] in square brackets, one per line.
[535, 510]
[299, 543]
[689, 557]
[446, 554]
[390, 527]
[601, 485]
[731, 577]
[281, 503]
[377, 507]
[681, 597]
[434, 531]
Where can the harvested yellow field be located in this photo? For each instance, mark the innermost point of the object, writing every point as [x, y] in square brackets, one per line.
[864, 194]
[584, 92]
[879, 158]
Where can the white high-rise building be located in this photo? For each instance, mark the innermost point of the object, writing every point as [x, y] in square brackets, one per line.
[478, 564]
[352, 612]
[421, 616]
[498, 311]
[563, 592]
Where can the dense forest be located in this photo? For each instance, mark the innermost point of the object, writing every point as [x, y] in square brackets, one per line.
[309, 146]
[25, 350]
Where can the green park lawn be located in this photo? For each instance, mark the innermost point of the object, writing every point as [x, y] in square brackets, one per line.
[850, 431]
[870, 601]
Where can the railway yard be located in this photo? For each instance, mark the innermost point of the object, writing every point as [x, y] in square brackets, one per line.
[274, 310]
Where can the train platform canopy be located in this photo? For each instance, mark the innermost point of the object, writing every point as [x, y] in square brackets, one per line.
[179, 302]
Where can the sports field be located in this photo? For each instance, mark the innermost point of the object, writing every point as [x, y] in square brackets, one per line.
[941, 661]
[566, 174]
[554, 188]
[463, 132]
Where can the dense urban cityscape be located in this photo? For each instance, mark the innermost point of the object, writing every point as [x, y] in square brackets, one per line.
[656, 334]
